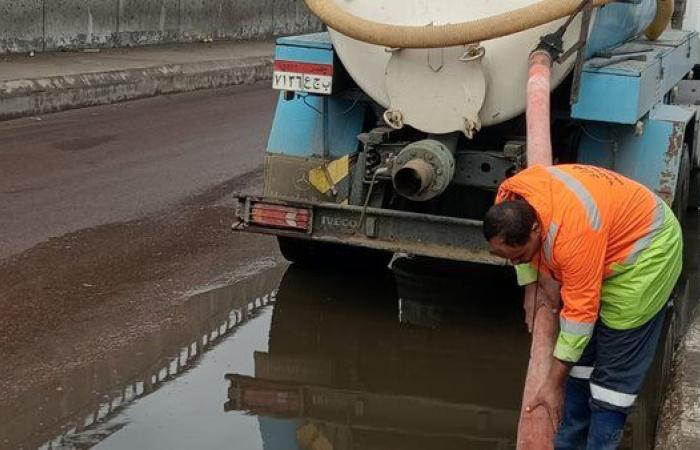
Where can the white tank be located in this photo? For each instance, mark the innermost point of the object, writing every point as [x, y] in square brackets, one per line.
[446, 90]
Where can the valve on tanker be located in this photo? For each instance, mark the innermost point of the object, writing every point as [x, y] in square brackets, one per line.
[423, 170]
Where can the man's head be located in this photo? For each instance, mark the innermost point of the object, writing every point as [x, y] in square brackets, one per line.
[513, 232]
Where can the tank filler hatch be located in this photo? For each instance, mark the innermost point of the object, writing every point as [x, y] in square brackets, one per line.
[436, 90]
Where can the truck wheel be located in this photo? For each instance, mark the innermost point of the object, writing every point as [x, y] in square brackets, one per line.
[667, 347]
[314, 253]
[682, 197]
[694, 197]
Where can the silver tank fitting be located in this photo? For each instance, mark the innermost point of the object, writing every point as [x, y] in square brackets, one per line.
[423, 170]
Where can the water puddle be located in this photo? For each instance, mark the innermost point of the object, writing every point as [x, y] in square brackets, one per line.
[297, 359]
[101, 402]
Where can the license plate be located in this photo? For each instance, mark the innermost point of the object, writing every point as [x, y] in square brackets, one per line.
[303, 77]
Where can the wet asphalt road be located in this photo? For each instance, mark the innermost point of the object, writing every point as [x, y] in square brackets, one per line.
[69, 171]
[112, 215]
[141, 322]
[378, 365]
[299, 359]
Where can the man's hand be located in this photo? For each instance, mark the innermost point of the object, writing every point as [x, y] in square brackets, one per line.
[551, 397]
[551, 394]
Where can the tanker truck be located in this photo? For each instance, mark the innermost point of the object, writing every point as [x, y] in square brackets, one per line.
[395, 127]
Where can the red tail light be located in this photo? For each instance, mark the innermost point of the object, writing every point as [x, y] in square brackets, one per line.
[279, 216]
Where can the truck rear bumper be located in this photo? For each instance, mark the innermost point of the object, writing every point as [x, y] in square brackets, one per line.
[381, 229]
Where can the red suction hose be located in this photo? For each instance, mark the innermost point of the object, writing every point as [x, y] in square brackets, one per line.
[535, 428]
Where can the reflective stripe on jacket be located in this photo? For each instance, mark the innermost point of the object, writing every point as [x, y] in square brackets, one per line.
[601, 233]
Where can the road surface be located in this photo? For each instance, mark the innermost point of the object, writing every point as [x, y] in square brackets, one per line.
[65, 172]
[111, 215]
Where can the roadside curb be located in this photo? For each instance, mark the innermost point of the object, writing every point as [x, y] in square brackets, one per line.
[679, 426]
[20, 98]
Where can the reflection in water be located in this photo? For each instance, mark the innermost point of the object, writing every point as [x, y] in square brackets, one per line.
[357, 368]
[351, 367]
[83, 408]
[319, 361]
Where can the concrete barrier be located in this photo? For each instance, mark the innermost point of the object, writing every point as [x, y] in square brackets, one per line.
[72, 24]
[19, 98]
[46, 25]
[146, 22]
[21, 26]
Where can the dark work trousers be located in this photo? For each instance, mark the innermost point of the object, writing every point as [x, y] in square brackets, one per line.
[603, 386]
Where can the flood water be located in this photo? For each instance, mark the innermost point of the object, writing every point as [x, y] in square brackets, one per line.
[297, 359]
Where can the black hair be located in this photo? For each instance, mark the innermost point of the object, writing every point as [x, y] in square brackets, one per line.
[512, 220]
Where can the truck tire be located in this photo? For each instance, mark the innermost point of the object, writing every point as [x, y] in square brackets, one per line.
[682, 198]
[313, 253]
[694, 197]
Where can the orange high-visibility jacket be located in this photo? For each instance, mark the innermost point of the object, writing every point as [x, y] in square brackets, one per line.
[615, 247]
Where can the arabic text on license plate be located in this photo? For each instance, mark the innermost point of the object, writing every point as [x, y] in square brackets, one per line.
[317, 84]
[302, 76]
